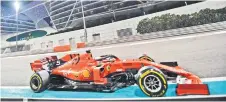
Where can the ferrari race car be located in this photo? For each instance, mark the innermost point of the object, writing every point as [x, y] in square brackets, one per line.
[108, 73]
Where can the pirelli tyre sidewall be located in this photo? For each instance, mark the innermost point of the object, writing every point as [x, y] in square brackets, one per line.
[159, 77]
[39, 81]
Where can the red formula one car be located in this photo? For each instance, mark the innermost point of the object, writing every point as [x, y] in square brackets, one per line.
[108, 73]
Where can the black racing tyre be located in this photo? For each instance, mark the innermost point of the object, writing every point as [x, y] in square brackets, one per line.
[39, 81]
[152, 83]
[147, 58]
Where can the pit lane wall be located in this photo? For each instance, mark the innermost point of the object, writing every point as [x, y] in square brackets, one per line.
[203, 54]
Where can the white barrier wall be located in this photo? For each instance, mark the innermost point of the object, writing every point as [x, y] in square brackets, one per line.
[109, 31]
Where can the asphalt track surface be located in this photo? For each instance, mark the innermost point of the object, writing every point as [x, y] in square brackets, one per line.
[216, 88]
[204, 56]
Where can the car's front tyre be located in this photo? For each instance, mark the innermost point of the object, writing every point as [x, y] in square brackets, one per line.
[152, 83]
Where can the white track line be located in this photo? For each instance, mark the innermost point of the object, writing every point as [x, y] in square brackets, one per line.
[134, 43]
[13, 87]
[203, 80]
[213, 79]
[146, 98]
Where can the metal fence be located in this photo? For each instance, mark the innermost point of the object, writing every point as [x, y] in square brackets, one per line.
[164, 34]
[154, 35]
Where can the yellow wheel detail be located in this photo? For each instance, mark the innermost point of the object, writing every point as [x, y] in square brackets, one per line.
[37, 84]
[142, 88]
[152, 83]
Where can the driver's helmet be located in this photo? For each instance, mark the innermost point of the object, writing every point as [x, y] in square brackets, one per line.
[89, 52]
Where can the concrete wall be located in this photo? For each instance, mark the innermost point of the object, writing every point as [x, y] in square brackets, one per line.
[109, 31]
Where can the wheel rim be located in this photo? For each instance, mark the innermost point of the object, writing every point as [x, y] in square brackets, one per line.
[152, 83]
[35, 83]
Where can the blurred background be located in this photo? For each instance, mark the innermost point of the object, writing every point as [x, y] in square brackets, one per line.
[39, 25]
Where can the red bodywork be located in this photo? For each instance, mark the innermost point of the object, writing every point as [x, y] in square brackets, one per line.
[82, 67]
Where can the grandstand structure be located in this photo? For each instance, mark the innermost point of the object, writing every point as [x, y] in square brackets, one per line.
[30, 17]
[66, 14]
[9, 25]
[69, 15]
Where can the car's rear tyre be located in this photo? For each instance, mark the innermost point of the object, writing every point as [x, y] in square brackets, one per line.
[152, 83]
[39, 81]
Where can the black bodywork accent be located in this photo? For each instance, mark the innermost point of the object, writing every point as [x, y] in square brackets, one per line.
[115, 81]
[132, 70]
[56, 79]
[53, 64]
[171, 64]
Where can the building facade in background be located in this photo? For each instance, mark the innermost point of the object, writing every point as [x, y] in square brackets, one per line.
[9, 24]
[67, 16]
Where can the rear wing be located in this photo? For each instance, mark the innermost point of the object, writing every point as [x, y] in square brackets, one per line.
[37, 65]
